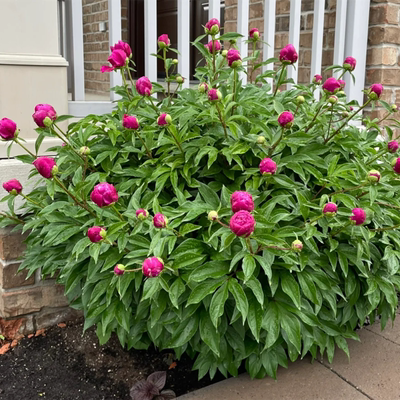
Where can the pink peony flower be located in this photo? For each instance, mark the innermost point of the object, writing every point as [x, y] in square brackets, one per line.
[254, 34]
[288, 55]
[217, 46]
[267, 166]
[331, 85]
[234, 59]
[144, 86]
[96, 234]
[212, 27]
[130, 122]
[104, 194]
[142, 214]
[358, 217]
[8, 129]
[374, 176]
[13, 186]
[214, 95]
[396, 165]
[117, 59]
[342, 83]
[285, 119]
[46, 166]
[351, 108]
[375, 91]
[317, 79]
[242, 223]
[349, 63]
[393, 146]
[43, 111]
[120, 45]
[242, 201]
[164, 119]
[160, 221]
[330, 209]
[119, 269]
[163, 41]
[152, 267]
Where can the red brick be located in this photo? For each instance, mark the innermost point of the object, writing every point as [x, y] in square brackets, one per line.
[13, 304]
[12, 244]
[10, 278]
[382, 55]
[256, 11]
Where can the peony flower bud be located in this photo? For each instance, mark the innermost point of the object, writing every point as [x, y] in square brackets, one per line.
[341, 93]
[179, 79]
[84, 151]
[44, 115]
[242, 201]
[130, 122]
[331, 85]
[163, 41]
[104, 194]
[300, 100]
[13, 186]
[120, 45]
[375, 91]
[203, 87]
[268, 166]
[345, 114]
[119, 269]
[164, 119]
[330, 209]
[333, 99]
[144, 86]
[175, 61]
[351, 108]
[342, 83]
[118, 59]
[142, 214]
[46, 167]
[317, 79]
[254, 34]
[396, 165]
[358, 217]
[349, 63]
[224, 53]
[234, 59]
[212, 27]
[394, 107]
[160, 221]
[393, 146]
[374, 176]
[214, 95]
[242, 223]
[261, 140]
[288, 55]
[297, 246]
[96, 234]
[215, 49]
[285, 119]
[8, 129]
[152, 267]
[212, 216]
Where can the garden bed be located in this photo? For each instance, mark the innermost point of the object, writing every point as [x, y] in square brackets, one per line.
[63, 364]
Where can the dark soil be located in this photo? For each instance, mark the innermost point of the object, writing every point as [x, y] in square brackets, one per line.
[64, 365]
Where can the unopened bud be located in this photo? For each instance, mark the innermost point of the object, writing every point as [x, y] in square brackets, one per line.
[261, 140]
[85, 151]
[300, 100]
[212, 215]
[175, 61]
[297, 246]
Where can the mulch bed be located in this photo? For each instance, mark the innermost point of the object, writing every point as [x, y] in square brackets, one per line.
[61, 364]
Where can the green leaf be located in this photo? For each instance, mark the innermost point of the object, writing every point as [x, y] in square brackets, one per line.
[291, 325]
[255, 286]
[217, 304]
[184, 332]
[240, 298]
[209, 334]
[291, 288]
[266, 265]
[176, 289]
[254, 319]
[212, 269]
[204, 289]
[271, 323]
[209, 196]
[248, 265]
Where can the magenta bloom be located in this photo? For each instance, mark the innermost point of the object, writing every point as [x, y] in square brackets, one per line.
[267, 166]
[13, 184]
[358, 217]
[330, 209]
[8, 129]
[331, 85]
[117, 59]
[242, 223]
[209, 46]
[214, 95]
[104, 194]
[119, 269]
[46, 166]
[396, 165]
[96, 234]
[142, 214]
[130, 122]
[163, 41]
[350, 63]
[160, 220]
[144, 86]
[242, 201]
[43, 111]
[285, 119]
[342, 83]
[212, 27]
[152, 267]
[233, 57]
[254, 34]
[288, 55]
[164, 119]
[317, 79]
[120, 45]
[375, 91]
[393, 146]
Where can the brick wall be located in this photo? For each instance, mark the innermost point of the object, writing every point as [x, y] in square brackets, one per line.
[96, 43]
[28, 304]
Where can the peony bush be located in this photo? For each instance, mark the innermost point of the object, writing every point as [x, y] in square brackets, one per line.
[234, 223]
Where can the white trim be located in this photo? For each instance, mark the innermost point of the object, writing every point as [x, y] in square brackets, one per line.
[33, 59]
[340, 34]
[115, 34]
[294, 36]
[269, 34]
[183, 40]
[30, 145]
[243, 29]
[214, 9]
[150, 43]
[81, 109]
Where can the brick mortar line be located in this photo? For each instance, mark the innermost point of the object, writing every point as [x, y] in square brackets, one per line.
[41, 283]
[6, 263]
[383, 337]
[346, 380]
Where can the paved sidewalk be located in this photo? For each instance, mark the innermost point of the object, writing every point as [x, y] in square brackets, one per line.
[373, 373]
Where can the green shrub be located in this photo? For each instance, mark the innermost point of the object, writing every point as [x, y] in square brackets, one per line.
[301, 283]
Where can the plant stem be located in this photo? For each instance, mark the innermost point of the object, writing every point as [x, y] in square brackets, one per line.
[153, 105]
[319, 191]
[224, 225]
[272, 148]
[388, 228]
[18, 142]
[274, 247]
[61, 131]
[117, 212]
[313, 220]
[330, 122]
[222, 121]
[249, 245]
[213, 57]
[341, 229]
[133, 270]
[166, 69]
[20, 221]
[30, 200]
[315, 117]
[130, 76]
[349, 189]
[176, 141]
[381, 153]
[234, 83]
[253, 62]
[279, 79]
[60, 137]
[125, 83]
[144, 144]
[387, 205]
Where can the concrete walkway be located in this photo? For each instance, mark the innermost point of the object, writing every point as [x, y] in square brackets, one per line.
[373, 373]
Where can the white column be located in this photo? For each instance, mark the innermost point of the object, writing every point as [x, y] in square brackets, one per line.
[184, 40]
[77, 51]
[294, 35]
[214, 9]
[243, 29]
[150, 43]
[269, 33]
[115, 34]
[340, 33]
